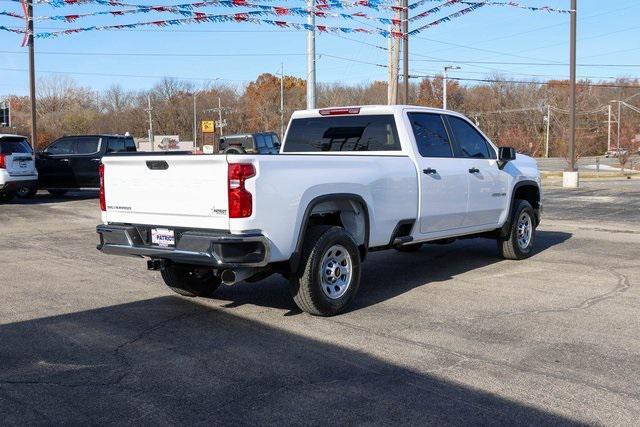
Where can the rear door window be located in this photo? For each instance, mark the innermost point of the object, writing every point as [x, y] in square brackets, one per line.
[115, 145]
[11, 145]
[469, 142]
[343, 133]
[62, 146]
[261, 143]
[86, 144]
[129, 145]
[431, 135]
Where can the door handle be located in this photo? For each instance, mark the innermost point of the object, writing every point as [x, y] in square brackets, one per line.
[430, 171]
[95, 160]
[64, 160]
[474, 170]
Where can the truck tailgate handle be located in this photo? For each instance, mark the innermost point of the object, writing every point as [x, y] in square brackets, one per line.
[157, 165]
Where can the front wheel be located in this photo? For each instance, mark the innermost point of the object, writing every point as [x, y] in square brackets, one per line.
[329, 274]
[189, 280]
[519, 244]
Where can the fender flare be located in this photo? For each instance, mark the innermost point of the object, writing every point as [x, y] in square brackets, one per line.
[294, 260]
[505, 231]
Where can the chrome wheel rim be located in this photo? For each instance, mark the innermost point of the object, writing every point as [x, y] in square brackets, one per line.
[524, 230]
[336, 271]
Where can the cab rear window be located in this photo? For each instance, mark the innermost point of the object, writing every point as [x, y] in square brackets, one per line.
[343, 133]
[11, 145]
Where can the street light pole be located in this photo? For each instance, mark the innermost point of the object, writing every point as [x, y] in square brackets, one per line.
[311, 55]
[150, 122]
[609, 128]
[282, 101]
[546, 146]
[405, 50]
[32, 74]
[444, 84]
[195, 123]
[572, 100]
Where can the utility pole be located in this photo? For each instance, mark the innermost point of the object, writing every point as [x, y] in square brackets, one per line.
[311, 55]
[572, 96]
[195, 123]
[150, 122]
[220, 117]
[609, 128]
[546, 145]
[444, 85]
[281, 101]
[619, 120]
[405, 50]
[32, 74]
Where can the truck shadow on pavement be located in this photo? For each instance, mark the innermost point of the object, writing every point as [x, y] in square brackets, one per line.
[45, 198]
[170, 361]
[388, 274]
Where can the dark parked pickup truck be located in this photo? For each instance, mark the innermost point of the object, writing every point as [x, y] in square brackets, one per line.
[71, 162]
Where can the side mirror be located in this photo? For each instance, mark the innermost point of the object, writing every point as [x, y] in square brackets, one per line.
[505, 155]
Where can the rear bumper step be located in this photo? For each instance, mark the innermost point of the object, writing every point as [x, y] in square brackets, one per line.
[211, 248]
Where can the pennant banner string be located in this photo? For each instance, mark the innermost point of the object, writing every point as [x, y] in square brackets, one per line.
[237, 17]
[493, 3]
[447, 18]
[321, 4]
[187, 10]
[11, 14]
[12, 30]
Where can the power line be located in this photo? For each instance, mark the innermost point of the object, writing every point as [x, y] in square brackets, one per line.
[525, 82]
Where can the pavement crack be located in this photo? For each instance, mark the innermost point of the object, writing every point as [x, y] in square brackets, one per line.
[621, 287]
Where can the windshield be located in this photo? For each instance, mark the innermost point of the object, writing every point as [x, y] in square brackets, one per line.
[13, 144]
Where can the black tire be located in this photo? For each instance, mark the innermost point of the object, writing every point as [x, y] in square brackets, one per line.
[189, 280]
[234, 150]
[26, 192]
[6, 196]
[57, 193]
[409, 248]
[307, 283]
[511, 248]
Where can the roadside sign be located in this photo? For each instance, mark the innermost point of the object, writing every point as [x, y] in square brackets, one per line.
[208, 126]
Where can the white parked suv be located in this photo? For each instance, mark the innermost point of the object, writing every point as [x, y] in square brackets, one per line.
[348, 181]
[18, 173]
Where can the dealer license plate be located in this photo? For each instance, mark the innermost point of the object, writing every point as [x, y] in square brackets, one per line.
[163, 237]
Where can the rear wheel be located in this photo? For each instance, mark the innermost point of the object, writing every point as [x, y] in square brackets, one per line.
[6, 196]
[57, 193]
[234, 150]
[519, 244]
[189, 280]
[27, 192]
[329, 274]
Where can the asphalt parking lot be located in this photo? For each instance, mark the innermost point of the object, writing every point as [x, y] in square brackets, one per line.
[449, 335]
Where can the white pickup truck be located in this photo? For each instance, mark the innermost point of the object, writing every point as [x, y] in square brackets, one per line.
[347, 181]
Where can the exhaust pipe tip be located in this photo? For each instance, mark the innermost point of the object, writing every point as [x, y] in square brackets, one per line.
[228, 277]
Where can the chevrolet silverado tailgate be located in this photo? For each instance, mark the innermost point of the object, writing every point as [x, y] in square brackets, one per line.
[171, 190]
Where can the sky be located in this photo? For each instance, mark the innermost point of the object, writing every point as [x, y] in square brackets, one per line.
[236, 53]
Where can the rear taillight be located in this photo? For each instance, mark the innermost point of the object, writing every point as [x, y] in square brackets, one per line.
[103, 202]
[3, 161]
[240, 200]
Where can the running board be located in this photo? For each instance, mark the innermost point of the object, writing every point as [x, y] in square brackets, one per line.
[399, 241]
